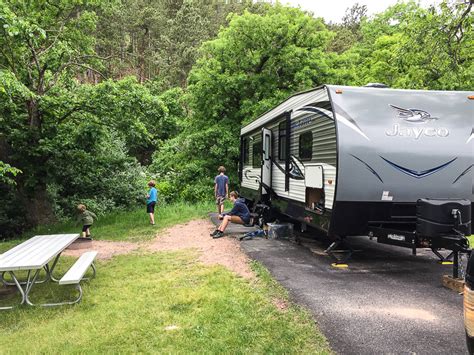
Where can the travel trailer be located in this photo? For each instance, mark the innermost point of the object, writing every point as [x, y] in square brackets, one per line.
[358, 161]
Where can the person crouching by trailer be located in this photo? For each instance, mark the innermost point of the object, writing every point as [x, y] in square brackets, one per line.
[221, 189]
[239, 214]
[151, 199]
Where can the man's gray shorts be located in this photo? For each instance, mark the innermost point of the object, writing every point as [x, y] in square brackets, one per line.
[220, 200]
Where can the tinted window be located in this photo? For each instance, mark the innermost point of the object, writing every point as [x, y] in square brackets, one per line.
[257, 154]
[282, 141]
[246, 148]
[306, 146]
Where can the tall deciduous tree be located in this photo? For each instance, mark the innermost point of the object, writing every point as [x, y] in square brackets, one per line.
[256, 61]
[411, 47]
[42, 45]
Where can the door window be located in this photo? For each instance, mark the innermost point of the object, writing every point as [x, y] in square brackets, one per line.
[282, 141]
[267, 147]
[257, 154]
[306, 146]
[246, 148]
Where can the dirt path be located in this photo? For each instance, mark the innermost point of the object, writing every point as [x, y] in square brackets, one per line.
[106, 249]
[192, 235]
[195, 234]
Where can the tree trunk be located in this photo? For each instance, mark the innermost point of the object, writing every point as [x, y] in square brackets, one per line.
[34, 113]
[37, 205]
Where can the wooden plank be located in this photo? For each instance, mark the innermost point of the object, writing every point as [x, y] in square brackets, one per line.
[453, 284]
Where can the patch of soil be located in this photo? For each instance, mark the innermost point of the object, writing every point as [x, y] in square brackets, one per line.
[105, 249]
[192, 235]
[195, 234]
[280, 304]
[7, 290]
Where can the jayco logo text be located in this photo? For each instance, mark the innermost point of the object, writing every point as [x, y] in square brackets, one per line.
[416, 132]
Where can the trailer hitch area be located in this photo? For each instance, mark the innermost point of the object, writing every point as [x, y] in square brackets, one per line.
[458, 244]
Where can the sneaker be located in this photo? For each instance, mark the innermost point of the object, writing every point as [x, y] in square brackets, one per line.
[214, 233]
[219, 234]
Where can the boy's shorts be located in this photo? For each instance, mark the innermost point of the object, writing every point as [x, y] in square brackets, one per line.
[150, 208]
[86, 227]
[220, 200]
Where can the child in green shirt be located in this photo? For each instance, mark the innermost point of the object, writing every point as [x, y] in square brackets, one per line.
[87, 218]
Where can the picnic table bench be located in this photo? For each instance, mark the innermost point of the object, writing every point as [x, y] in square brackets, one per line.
[39, 253]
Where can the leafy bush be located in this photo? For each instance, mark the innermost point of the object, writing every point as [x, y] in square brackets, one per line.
[96, 172]
[200, 190]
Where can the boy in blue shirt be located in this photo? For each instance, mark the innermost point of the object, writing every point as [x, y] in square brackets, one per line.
[151, 199]
[221, 189]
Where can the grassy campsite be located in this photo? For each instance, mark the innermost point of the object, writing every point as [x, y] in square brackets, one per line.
[117, 118]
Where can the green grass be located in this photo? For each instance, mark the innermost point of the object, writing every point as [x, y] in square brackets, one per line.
[132, 225]
[135, 297]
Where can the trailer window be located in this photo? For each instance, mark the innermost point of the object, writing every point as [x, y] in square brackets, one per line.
[306, 146]
[282, 141]
[246, 151]
[257, 154]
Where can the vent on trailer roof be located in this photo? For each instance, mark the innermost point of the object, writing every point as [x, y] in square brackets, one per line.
[376, 85]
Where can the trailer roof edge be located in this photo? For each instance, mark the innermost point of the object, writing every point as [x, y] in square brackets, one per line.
[255, 125]
[245, 128]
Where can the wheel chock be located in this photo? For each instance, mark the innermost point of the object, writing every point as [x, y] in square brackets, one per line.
[340, 265]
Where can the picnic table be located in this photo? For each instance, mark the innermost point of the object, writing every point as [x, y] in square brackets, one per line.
[39, 253]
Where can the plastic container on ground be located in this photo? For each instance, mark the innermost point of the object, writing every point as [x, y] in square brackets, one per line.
[280, 230]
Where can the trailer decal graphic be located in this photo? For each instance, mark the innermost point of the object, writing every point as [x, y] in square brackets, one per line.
[463, 173]
[413, 115]
[294, 171]
[470, 137]
[324, 112]
[418, 174]
[368, 168]
[304, 122]
[248, 175]
[343, 117]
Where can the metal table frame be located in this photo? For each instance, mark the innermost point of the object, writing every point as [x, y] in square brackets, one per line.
[25, 287]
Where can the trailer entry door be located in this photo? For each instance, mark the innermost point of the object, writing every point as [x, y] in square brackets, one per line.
[266, 161]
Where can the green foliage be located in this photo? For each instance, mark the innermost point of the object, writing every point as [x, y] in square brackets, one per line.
[6, 173]
[77, 136]
[256, 61]
[349, 31]
[414, 48]
[159, 39]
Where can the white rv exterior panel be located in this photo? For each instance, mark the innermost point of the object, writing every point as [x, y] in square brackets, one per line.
[313, 176]
[251, 178]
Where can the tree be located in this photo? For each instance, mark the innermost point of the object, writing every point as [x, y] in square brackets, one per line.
[348, 32]
[159, 39]
[258, 60]
[6, 172]
[43, 46]
[410, 47]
